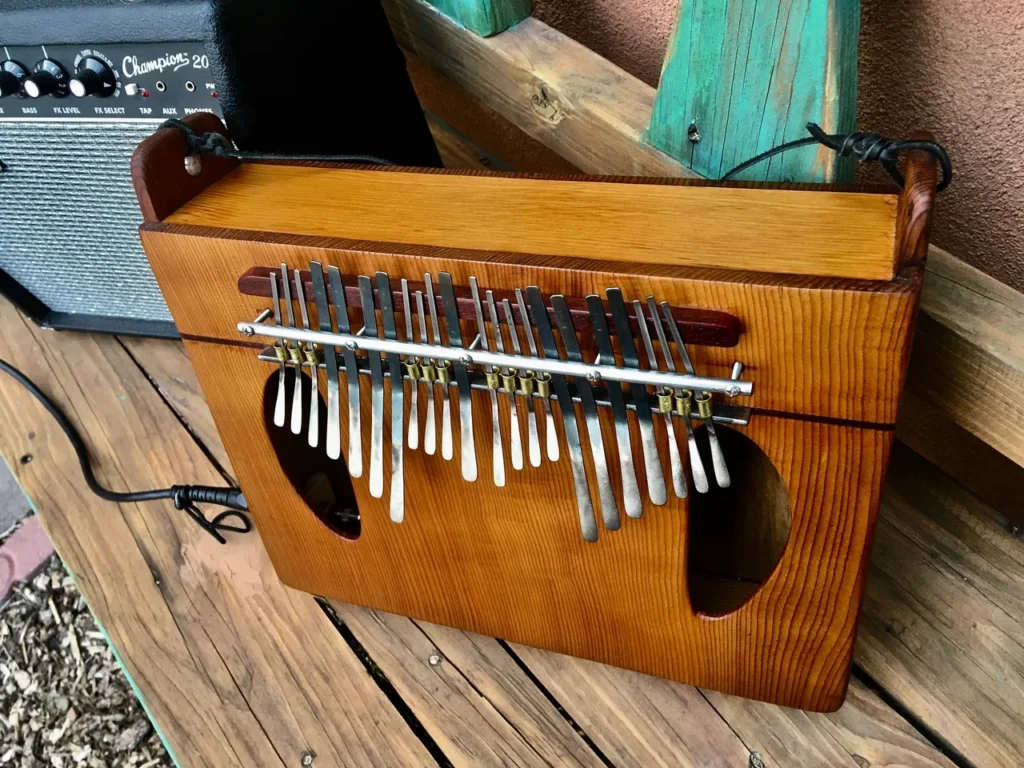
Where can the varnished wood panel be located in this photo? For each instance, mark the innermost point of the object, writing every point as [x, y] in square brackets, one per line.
[816, 347]
[518, 569]
[791, 231]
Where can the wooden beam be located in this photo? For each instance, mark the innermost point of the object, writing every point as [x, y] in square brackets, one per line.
[485, 17]
[742, 77]
[968, 356]
[965, 352]
[580, 105]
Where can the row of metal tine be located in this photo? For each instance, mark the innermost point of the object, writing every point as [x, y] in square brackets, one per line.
[514, 383]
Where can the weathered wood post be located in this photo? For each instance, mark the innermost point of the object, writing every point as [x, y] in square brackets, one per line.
[742, 76]
[484, 17]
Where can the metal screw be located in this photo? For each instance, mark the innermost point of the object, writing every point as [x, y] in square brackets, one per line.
[351, 345]
[248, 330]
[732, 391]
[693, 133]
[467, 359]
[193, 165]
[593, 376]
[307, 757]
[434, 660]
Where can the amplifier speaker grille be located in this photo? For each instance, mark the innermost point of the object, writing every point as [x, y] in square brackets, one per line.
[69, 218]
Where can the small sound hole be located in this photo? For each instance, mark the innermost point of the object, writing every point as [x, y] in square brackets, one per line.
[737, 534]
[323, 483]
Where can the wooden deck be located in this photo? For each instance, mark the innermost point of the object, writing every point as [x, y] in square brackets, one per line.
[237, 669]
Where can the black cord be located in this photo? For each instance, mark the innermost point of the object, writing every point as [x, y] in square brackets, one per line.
[866, 147]
[217, 144]
[185, 497]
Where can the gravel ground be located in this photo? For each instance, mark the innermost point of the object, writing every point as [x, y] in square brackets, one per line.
[64, 700]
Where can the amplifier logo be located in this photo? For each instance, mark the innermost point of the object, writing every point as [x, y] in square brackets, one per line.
[131, 67]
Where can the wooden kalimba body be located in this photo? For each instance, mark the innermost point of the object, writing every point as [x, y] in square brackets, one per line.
[684, 485]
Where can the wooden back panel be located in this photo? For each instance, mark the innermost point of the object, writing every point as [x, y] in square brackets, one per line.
[672, 222]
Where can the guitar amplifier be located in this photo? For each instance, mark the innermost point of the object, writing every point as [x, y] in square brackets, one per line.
[83, 82]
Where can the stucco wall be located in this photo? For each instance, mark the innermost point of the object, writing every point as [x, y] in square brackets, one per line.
[955, 67]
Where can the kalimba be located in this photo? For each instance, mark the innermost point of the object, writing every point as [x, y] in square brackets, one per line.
[640, 421]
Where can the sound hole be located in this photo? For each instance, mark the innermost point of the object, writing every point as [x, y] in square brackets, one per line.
[737, 534]
[323, 483]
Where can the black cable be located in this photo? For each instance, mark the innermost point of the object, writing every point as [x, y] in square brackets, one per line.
[866, 147]
[219, 145]
[185, 497]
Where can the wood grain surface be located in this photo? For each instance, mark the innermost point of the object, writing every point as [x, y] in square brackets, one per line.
[788, 231]
[557, 91]
[235, 668]
[751, 75]
[968, 356]
[943, 626]
[815, 347]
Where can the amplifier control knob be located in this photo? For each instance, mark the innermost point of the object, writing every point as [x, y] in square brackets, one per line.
[93, 78]
[11, 76]
[48, 77]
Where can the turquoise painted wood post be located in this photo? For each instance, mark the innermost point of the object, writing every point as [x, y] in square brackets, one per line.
[742, 76]
[485, 17]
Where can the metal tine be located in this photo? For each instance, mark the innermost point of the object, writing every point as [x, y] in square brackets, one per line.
[627, 345]
[630, 489]
[444, 373]
[376, 391]
[428, 372]
[323, 313]
[387, 316]
[412, 367]
[355, 434]
[294, 353]
[717, 457]
[282, 356]
[584, 504]
[451, 321]
[497, 451]
[526, 385]
[509, 380]
[609, 508]
[543, 381]
[678, 477]
[313, 433]
[683, 402]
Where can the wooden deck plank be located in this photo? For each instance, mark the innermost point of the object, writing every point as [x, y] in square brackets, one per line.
[943, 626]
[168, 367]
[470, 726]
[235, 668]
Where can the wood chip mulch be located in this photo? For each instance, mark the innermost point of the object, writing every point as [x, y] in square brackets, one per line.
[64, 700]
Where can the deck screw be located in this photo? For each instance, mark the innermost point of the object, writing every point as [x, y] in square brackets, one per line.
[307, 758]
[434, 660]
[693, 133]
